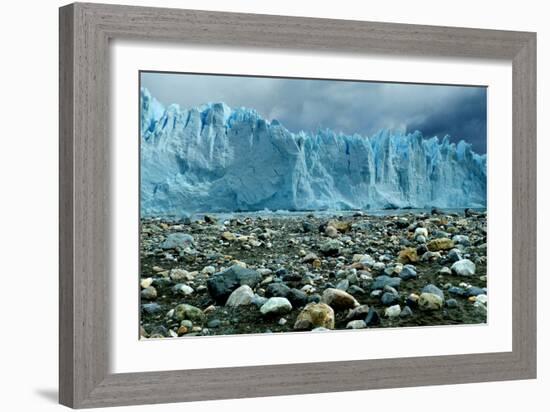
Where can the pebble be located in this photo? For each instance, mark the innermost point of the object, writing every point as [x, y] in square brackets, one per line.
[381, 281]
[389, 299]
[184, 290]
[241, 296]
[189, 312]
[276, 306]
[393, 311]
[145, 283]
[315, 315]
[406, 312]
[430, 301]
[356, 324]
[149, 293]
[441, 243]
[451, 303]
[408, 272]
[338, 299]
[372, 319]
[464, 267]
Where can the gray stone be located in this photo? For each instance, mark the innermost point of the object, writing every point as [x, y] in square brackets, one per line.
[276, 306]
[464, 267]
[330, 247]
[406, 312]
[408, 272]
[433, 289]
[178, 240]
[381, 281]
[241, 296]
[149, 293]
[356, 324]
[221, 284]
[389, 299]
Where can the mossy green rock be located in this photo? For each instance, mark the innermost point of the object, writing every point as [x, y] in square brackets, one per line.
[189, 312]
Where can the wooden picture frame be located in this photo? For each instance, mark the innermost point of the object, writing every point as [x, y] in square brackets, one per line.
[85, 31]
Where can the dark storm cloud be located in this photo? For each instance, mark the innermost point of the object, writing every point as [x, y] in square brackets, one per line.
[343, 106]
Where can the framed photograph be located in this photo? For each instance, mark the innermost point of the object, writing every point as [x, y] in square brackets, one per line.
[256, 205]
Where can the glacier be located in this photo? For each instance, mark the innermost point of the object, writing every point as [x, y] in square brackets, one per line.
[213, 158]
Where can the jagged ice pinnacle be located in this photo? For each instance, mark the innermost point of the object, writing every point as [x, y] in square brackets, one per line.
[216, 159]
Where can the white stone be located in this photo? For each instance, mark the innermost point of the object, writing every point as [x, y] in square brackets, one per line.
[276, 306]
[393, 311]
[464, 267]
[240, 297]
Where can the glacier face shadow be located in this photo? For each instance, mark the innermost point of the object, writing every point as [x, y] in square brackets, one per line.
[216, 159]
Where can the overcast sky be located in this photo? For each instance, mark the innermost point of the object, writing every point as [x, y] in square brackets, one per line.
[343, 106]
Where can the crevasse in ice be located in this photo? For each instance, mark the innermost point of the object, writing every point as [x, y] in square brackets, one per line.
[216, 159]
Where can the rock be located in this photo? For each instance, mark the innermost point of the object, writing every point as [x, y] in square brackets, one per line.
[340, 225]
[338, 299]
[475, 291]
[222, 284]
[372, 319]
[297, 298]
[308, 227]
[381, 281]
[214, 323]
[407, 255]
[360, 312]
[392, 311]
[482, 299]
[408, 272]
[412, 300]
[406, 312]
[455, 290]
[445, 271]
[184, 290]
[343, 285]
[145, 283]
[230, 237]
[315, 315]
[461, 240]
[309, 258]
[149, 293]
[330, 247]
[258, 300]
[151, 308]
[178, 240]
[179, 275]
[278, 289]
[441, 243]
[182, 330]
[189, 312]
[433, 289]
[356, 324]
[208, 270]
[421, 239]
[276, 306]
[451, 303]
[421, 231]
[331, 231]
[430, 301]
[210, 219]
[454, 255]
[429, 256]
[421, 249]
[241, 296]
[389, 299]
[464, 267]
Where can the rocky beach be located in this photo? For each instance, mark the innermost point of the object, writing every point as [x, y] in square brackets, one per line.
[251, 273]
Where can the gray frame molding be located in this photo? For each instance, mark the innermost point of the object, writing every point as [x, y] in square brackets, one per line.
[85, 31]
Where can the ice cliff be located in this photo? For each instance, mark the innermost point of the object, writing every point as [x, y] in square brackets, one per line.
[216, 159]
